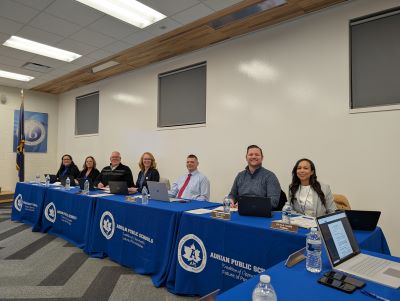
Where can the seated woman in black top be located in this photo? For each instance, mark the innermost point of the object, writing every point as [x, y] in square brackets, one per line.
[89, 170]
[148, 171]
[67, 168]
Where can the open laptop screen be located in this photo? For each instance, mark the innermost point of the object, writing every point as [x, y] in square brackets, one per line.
[338, 237]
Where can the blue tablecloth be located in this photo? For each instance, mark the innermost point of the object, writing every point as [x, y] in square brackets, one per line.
[138, 236]
[297, 284]
[28, 204]
[68, 215]
[212, 253]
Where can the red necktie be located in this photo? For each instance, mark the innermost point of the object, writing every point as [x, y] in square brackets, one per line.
[184, 186]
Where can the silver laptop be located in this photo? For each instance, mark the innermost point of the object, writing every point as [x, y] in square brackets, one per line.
[158, 191]
[345, 256]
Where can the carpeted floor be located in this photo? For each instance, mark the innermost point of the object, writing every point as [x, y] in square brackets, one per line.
[37, 266]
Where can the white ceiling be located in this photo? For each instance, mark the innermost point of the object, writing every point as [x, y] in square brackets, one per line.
[72, 26]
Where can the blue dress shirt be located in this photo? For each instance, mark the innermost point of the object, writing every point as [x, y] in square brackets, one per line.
[198, 187]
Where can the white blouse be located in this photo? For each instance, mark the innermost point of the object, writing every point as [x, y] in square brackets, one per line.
[304, 196]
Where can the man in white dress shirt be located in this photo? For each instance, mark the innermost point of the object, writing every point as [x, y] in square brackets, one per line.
[193, 185]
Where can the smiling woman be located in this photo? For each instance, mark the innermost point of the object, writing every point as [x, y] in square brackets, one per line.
[307, 195]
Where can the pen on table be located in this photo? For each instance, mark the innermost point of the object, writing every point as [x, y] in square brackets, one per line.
[373, 295]
[307, 217]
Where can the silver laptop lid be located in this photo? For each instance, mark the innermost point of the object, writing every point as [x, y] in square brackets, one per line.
[338, 237]
[158, 191]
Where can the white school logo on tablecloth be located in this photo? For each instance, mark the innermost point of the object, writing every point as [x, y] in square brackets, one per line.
[192, 254]
[18, 202]
[50, 212]
[107, 224]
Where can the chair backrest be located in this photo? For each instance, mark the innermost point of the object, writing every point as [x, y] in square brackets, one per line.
[282, 201]
[166, 181]
[341, 202]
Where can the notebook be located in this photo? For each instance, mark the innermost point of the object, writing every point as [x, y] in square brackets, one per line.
[344, 252]
[158, 191]
[254, 206]
[210, 297]
[118, 187]
[363, 220]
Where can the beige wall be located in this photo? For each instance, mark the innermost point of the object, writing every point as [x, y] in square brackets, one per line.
[35, 163]
[285, 88]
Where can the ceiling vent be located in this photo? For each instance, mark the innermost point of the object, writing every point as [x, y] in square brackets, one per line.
[36, 67]
[246, 12]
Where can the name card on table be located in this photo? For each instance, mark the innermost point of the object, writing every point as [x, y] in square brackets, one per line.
[279, 225]
[220, 215]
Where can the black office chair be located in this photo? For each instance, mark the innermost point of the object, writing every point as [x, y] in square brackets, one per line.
[282, 201]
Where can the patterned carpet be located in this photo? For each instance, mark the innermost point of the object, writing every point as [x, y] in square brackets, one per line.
[37, 266]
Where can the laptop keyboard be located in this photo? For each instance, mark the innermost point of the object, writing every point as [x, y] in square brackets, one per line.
[370, 266]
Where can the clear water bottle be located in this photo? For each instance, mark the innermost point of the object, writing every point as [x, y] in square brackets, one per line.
[313, 246]
[264, 290]
[286, 213]
[227, 204]
[145, 196]
[47, 180]
[37, 179]
[67, 184]
[86, 187]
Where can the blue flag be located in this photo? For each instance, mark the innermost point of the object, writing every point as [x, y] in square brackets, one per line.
[21, 144]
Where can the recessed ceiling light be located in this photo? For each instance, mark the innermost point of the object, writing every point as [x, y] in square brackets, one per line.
[41, 49]
[16, 76]
[130, 11]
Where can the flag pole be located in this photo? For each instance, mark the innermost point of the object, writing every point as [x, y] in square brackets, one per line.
[21, 142]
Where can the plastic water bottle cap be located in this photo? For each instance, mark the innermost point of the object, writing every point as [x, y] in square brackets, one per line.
[265, 278]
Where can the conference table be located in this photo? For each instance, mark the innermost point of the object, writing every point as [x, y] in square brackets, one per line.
[28, 204]
[215, 254]
[138, 236]
[297, 283]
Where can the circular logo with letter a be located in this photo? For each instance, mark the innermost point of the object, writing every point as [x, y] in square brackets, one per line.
[50, 212]
[107, 224]
[18, 203]
[192, 254]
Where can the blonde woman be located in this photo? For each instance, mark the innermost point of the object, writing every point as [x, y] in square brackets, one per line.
[148, 171]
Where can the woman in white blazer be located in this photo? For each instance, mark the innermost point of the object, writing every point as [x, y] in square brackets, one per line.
[306, 194]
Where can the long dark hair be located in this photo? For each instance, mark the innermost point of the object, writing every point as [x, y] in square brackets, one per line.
[294, 186]
[62, 167]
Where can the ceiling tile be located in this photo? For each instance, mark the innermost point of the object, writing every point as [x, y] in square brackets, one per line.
[117, 47]
[74, 12]
[55, 25]
[163, 26]
[38, 4]
[69, 67]
[11, 83]
[219, 4]
[170, 7]
[19, 70]
[139, 37]
[3, 37]
[83, 61]
[38, 59]
[16, 11]
[92, 38]
[8, 26]
[75, 46]
[112, 27]
[192, 14]
[15, 53]
[99, 54]
[8, 61]
[37, 35]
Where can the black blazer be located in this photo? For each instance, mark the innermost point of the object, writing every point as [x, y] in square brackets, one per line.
[94, 173]
[151, 175]
[72, 171]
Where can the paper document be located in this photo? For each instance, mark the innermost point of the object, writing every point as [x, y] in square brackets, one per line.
[199, 211]
[303, 221]
[221, 208]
